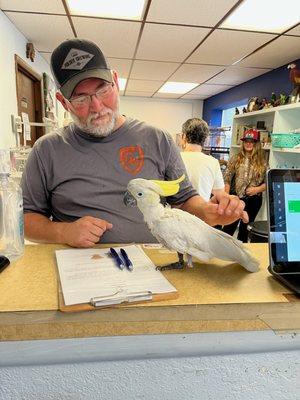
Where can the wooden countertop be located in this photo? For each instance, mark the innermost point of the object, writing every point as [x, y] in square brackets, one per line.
[219, 296]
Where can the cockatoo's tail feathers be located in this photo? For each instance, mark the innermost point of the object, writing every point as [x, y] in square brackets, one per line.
[250, 263]
[169, 188]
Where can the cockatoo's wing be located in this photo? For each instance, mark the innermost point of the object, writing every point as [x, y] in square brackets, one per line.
[166, 232]
[185, 233]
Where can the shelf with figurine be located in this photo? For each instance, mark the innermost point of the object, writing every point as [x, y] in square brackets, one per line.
[269, 110]
[257, 105]
[277, 120]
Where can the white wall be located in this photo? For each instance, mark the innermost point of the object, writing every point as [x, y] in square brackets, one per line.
[228, 366]
[167, 114]
[12, 42]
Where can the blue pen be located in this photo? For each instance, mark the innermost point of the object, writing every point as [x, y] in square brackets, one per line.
[126, 259]
[117, 259]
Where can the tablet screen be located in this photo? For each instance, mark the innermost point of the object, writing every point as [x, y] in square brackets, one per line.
[284, 219]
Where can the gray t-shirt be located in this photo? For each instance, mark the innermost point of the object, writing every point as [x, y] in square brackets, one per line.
[70, 175]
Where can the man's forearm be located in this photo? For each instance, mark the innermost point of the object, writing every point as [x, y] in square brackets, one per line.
[222, 209]
[39, 228]
[194, 205]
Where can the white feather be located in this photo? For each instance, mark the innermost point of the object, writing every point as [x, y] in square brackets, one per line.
[181, 231]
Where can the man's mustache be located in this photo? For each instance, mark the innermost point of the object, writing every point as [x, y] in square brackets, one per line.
[93, 116]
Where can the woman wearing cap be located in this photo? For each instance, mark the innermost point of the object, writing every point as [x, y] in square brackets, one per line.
[245, 175]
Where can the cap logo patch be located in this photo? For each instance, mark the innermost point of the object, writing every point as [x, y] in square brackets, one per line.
[76, 59]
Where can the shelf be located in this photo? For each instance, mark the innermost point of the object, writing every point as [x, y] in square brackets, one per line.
[287, 107]
[259, 112]
[284, 150]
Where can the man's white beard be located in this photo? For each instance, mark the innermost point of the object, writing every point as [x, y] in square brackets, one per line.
[102, 130]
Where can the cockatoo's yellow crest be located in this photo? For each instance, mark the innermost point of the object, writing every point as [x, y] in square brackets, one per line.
[169, 188]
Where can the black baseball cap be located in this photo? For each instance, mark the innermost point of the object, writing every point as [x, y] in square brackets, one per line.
[75, 60]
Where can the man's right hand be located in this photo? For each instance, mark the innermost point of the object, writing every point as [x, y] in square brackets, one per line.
[85, 232]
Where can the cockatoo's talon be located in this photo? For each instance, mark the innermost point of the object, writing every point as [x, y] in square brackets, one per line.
[189, 261]
[175, 265]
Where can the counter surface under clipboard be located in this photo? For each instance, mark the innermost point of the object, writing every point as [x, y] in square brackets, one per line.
[215, 297]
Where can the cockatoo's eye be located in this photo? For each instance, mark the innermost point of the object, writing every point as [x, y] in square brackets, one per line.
[140, 194]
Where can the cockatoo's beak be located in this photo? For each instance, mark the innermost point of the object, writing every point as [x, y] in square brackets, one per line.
[129, 200]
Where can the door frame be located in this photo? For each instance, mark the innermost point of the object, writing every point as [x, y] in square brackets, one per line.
[21, 65]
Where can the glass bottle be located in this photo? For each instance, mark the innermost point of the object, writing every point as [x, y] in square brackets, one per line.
[11, 212]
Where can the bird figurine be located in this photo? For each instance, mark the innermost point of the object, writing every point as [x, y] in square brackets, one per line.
[295, 79]
[181, 231]
[273, 99]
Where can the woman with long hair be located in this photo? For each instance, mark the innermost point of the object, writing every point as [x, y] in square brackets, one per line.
[245, 176]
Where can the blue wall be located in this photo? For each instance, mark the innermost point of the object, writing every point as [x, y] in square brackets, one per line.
[276, 81]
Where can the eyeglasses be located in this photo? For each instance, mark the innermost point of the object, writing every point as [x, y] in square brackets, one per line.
[85, 100]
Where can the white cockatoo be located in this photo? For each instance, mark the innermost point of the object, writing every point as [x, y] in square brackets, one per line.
[181, 231]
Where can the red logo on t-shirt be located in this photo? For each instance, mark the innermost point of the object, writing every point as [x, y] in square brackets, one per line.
[132, 159]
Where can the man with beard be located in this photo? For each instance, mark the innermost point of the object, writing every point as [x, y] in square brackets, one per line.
[75, 178]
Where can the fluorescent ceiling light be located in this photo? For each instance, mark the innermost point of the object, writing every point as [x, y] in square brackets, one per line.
[122, 9]
[122, 83]
[264, 16]
[177, 87]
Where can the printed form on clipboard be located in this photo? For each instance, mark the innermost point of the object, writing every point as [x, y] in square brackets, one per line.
[91, 276]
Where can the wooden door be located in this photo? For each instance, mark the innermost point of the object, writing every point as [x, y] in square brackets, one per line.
[29, 98]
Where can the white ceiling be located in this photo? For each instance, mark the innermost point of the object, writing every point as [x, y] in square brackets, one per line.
[177, 40]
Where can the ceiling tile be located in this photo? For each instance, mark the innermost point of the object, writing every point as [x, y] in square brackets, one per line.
[167, 95]
[39, 29]
[282, 51]
[295, 31]
[169, 43]
[45, 6]
[46, 56]
[237, 75]
[224, 47]
[195, 96]
[152, 70]
[138, 94]
[209, 90]
[195, 73]
[120, 65]
[189, 12]
[143, 85]
[115, 38]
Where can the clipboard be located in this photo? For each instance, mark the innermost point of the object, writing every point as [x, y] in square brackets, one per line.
[117, 296]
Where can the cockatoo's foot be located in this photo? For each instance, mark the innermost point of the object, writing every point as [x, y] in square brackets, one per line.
[189, 261]
[176, 265]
